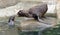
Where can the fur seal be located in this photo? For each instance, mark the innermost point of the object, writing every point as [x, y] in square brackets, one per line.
[37, 12]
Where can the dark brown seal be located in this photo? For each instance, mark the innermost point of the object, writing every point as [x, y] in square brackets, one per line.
[36, 12]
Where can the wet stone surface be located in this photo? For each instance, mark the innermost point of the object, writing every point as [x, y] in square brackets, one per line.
[24, 25]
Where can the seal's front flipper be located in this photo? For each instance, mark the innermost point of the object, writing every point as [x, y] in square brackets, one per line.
[40, 20]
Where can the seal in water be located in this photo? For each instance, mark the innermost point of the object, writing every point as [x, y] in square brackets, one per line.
[11, 21]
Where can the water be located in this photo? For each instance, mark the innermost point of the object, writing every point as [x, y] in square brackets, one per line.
[5, 30]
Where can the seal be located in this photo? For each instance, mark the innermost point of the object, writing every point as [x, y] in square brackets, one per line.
[37, 12]
[11, 21]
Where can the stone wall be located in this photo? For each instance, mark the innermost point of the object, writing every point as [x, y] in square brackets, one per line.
[11, 7]
[58, 9]
[7, 3]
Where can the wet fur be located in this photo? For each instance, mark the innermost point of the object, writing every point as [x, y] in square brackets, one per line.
[37, 12]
